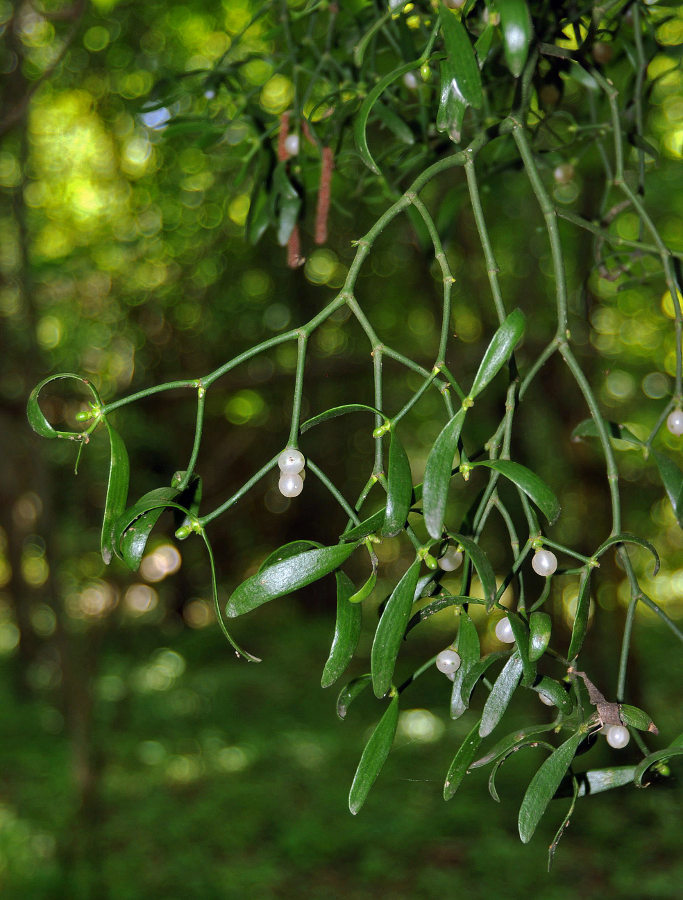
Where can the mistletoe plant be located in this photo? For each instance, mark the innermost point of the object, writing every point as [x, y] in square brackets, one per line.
[489, 99]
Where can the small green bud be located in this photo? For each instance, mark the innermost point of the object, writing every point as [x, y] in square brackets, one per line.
[381, 429]
[84, 415]
[467, 403]
[183, 532]
[465, 469]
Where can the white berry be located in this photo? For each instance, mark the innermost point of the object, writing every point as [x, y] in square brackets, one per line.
[290, 484]
[546, 699]
[448, 662]
[674, 422]
[410, 81]
[504, 631]
[618, 736]
[450, 560]
[291, 461]
[292, 144]
[544, 562]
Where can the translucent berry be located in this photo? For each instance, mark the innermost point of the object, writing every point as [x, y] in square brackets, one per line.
[504, 631]
[544, 562]
[563, 173]
[410, 81]
[546, 699]
[290, 484]
[448, 662]
[291, 461]
[292, 144]
[674, 422]
[450, 560]
[618, 736]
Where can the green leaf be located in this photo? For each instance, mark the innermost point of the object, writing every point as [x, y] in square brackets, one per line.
[520, 630]
[36, 417]
[554, 690]
[286, 576]
[438, 474]
[509, 743]
[390, 630]
[543, 785]
[434, 607]
[469, 649]
[595, 781]
[520, 745]
[117, 492]
[258, 217]
[369, 526]
[374, 756]
[476, 672]
[452, 105]
[287, 551]
[288, 204]
[483, 44]
[515, 23]
[540, 626]
[361, 120]
[461, 762]
[625, 537]
[349, 693]
[394, 123]
[581, 615]
[366, 589]
[399, 488]
[675, 748]
[346, 632]
[534, 487]
[131, 530]
[461, 56]
[672, 479]
[499, 350]
[481, 563]
[588, 428]
[637, 718]
[339, 411]
[501, 693]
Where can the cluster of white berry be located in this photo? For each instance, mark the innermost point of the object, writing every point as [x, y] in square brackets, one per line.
[292, 472]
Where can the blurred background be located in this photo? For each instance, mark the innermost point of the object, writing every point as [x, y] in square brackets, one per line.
[139, 758]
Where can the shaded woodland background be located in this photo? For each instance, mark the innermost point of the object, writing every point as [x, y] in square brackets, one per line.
[139, 759]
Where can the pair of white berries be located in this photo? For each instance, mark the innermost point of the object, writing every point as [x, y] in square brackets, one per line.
[674, 422]
[292, 473]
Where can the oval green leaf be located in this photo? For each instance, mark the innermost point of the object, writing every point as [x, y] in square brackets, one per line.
[374, 756]
[461, 55]
[501, 693]
[672, 479]
[346, 632]
[543, 785]
[588, 428]
[540, 626]
[520, 631]
[637, 718]
[438, 474]
[507, 744]
[369, 526]
[477, 671]
[461, 762]
[349, 693]
[133, 526]
[366, 589]
[595, 781]
[399, 488]
[469, 649]
[515, 23]
[452, 105]
[534, 487]
[117, 492]
[286, 576]
[390, 630]
[554, 690]
[499, 350]
[581, 615]
[287, 551]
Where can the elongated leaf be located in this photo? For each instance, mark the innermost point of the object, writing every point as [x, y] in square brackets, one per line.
[501, 693]
[259, 215]
[469, 649]
[483, 44]
[555, 692]
[517, 29]
[390, 630]
[399, 488]
[366, 589]
[288, 204]
[564, 825]
[508, 743]
[461, 55]
[520, 631]
[499, 350]
[540, 626]
[637, 718]
[361, 120]
[286, 576]
[672, 479]
[543, 785]
[132, 528]
[369, 526]
[349, 693]
[477, 671]
[534, 487]
[287, 551]
[461, 762]
[675, 748]
[588, 428]
[595, 781]
[481, 563]
[434, 607]
[346, 632]
[503, 759]
[117, 492]
[438, 474]
[452, 105]
[339, 411]
[36, 416]
[581, 615]
[626, 538]
[394, 123]
[374, 756]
